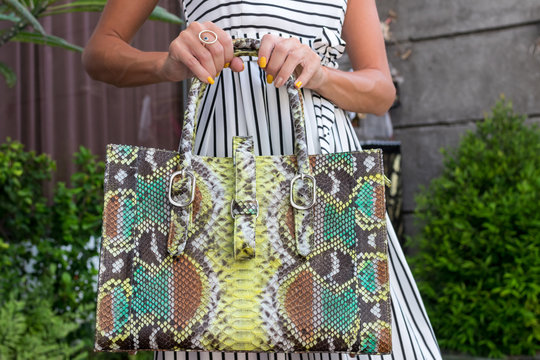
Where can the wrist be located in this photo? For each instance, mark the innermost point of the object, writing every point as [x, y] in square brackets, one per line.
[160, 69]
[321, 78]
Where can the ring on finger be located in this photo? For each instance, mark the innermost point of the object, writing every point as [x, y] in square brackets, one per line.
[205, 39]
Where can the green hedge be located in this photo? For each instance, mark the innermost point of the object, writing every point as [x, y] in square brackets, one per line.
[478, 260]
[48, 256]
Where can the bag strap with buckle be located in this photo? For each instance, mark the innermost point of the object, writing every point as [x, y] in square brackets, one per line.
[306, 197]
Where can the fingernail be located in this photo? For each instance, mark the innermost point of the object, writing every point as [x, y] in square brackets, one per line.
[269, 78]
[210, 80]
[298, 84]
[218, 74]
[227, 65]
[278, 81]
[262, 62]
[243, 67]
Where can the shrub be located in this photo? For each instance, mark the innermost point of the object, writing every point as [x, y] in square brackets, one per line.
[478, 260]
[47, 255]
[32, 330]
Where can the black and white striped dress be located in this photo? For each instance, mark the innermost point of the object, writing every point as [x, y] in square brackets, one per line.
[244, 104]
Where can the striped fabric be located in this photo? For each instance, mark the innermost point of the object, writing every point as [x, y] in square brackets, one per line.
[244, 104]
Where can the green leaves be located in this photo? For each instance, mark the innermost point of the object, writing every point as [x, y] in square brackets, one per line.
[50, 40]
[8, 74]
[158, 14]
[24, 13]
[49, 245]
[31, 330]
[479, 246]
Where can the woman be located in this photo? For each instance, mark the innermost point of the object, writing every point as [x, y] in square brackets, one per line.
[248, 98]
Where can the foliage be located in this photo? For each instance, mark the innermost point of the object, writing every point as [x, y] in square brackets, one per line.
[24, 14]
[32, 330]
[478, 260]
[46, 250]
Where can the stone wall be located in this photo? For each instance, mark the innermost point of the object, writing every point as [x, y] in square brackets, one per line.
[462, 55]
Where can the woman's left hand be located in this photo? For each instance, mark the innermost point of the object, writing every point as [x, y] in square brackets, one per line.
[280, 57]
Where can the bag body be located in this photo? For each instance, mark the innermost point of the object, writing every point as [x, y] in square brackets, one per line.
[247, 253]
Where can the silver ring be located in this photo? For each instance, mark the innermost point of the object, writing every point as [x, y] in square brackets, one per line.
[205, 39]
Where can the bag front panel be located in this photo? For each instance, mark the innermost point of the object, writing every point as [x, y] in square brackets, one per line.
[336, 299]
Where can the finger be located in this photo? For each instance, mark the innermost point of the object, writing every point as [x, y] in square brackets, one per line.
[199, 51]
[226, 42]
[216, 49]
[307, 69]
[278, 56]
[237, 64]
[179, 51]
[268, 42]
[294, 58]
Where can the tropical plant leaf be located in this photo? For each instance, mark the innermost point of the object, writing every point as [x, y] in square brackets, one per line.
[26, 15]
[161, 14]
[8, 74]
[9, 17]
[51, 40]
[76, 6]
[158, 14]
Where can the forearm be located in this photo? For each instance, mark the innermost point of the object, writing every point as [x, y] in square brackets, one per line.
[362, 91]
[113, 61]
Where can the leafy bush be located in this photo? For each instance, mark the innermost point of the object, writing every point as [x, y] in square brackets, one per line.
[478, 260]
[32, 330]
[47, 255]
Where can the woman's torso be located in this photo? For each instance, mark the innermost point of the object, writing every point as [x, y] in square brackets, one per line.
[243, 104]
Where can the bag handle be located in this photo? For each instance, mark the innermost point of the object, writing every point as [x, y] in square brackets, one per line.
[243, 47]
[181, 214]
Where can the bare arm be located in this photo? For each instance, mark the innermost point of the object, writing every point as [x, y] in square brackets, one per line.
[108, 57]
[369, 88]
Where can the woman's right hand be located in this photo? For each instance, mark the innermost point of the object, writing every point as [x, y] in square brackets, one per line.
[204, 61]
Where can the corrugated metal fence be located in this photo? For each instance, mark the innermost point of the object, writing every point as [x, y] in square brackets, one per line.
[56, 106]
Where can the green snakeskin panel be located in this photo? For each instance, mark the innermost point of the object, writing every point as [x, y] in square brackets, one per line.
[335, 299]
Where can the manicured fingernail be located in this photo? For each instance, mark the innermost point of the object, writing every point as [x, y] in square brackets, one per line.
[298, 84]
[262, 62]
[269, 78]
[278, 81]
[227, 65]
[218, 74]
[210, 80]
[243, 67]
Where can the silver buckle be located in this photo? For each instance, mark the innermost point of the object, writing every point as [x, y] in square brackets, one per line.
[175, 174]
[234, 216]
[313, 192]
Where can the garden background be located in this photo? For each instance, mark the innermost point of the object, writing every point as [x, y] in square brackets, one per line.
[451, 61]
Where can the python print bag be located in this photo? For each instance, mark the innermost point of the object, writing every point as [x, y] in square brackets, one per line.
[246, 254]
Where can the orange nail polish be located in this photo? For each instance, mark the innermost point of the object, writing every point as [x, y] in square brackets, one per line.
[227, 65]
[262, 62]
[243, 67]
[269, 78]
[298, 84]
[210, 80]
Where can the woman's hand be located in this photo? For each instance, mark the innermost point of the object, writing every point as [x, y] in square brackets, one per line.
[280, 57]
[205, 61]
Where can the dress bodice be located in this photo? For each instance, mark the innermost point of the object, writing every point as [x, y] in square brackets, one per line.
[316, 23]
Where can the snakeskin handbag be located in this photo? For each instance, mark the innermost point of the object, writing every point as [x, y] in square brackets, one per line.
[244, 253]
